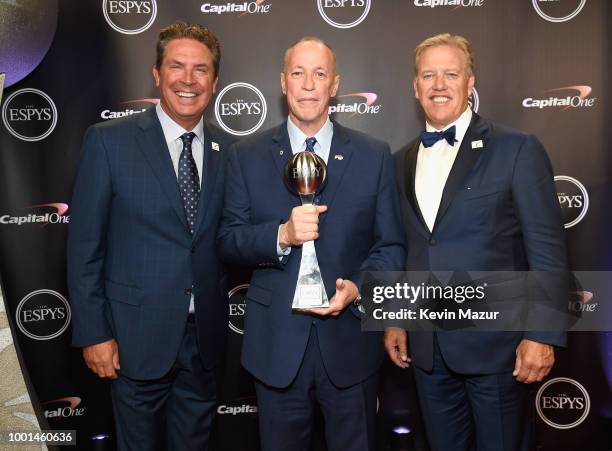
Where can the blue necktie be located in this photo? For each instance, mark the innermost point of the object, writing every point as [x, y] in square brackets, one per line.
[188, 181]
[430, 138]
[310, 143]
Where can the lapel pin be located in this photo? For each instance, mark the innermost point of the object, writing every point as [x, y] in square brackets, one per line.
[477, 144]
[338, 157]
[281, 152]
[214, 146]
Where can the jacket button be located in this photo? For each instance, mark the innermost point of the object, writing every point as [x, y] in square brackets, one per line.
[188, 291]
[192, 249]
[432, 241]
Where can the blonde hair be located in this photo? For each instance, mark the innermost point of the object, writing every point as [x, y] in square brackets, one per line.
[456, 41]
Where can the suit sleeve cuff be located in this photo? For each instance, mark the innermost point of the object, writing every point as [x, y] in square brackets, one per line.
[279, 251]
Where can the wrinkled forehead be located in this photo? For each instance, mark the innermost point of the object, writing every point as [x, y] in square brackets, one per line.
[442, 57]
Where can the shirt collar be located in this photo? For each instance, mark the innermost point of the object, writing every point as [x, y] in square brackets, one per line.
[462, 123]
[298, 138]
[172, 130]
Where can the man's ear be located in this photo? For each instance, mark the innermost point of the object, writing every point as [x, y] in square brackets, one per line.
[155, 73]
[471, 82]
[335, 85]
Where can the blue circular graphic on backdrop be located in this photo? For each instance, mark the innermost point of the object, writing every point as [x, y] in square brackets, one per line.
[28, 28]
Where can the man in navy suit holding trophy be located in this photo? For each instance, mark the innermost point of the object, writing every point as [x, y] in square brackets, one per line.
[317, 355]
[477, 196]
[147, 291]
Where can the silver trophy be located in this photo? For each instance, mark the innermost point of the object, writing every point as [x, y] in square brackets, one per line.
[305, 175]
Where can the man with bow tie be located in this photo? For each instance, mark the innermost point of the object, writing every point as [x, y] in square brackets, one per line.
[303, 357]
[148, 294]
[477, 196]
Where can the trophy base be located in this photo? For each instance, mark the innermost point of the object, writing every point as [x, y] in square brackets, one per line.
[309, 290]
[310, 296]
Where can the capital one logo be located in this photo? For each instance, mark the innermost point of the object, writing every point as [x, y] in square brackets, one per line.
[134, 108]
[455, 3]
[474, 100]
[558, 10]
[577, 97]
[240, 109]
[67, 407]
[252, 7]
[236, 410]
[129, 16]
[563, 403]
[55, 214]
[573, 198]
[29, 114]
[580, 301]
[237, 307]
[344, 13]
[43, 315]
[356, 103]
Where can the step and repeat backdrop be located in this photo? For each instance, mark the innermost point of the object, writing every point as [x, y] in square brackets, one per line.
[542, 66]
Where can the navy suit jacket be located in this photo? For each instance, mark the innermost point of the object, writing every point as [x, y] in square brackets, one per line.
[131, 257]
[361, 230]
[499, 212]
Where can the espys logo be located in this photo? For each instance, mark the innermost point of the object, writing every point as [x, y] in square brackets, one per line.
[474, 100]
[558, 10]
[580, 100]
[129, 16]
[29, 114]
[344, 13]
[108, 114]
[54, 217]
[456, 3]
[366, 106]
[237, 306]
[240, 109]
[573, 198]
[43, 315]
[67, 407]
[562, 403]
[253, 7]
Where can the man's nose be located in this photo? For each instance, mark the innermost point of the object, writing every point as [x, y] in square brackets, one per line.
[308, 83]
[439, 82]
[187, 77]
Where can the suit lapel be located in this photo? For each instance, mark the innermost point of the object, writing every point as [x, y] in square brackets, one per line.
[211, 163]
[281, 153]
[340, 153]
[465, 160]
[410, 163]
[152, 144]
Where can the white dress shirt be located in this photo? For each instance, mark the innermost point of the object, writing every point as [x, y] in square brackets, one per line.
[433, 166]
[172, 133]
